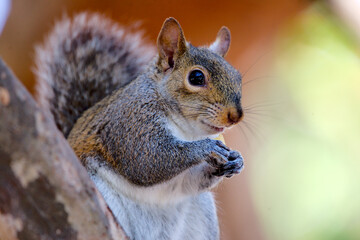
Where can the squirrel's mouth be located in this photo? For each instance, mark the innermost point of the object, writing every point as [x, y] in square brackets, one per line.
[212, 127]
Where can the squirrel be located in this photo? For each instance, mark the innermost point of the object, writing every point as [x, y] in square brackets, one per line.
[142, 123]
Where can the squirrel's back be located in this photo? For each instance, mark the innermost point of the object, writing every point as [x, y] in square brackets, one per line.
[82, 61]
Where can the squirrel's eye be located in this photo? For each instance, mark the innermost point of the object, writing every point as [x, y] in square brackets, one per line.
[196, 78]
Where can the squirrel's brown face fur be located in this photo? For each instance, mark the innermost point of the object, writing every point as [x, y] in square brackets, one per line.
[207, 88]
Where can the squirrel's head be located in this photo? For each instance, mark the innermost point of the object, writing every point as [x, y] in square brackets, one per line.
[204, 87]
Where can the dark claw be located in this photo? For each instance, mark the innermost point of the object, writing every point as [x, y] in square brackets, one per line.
[230, 168]
[222, 145]
[234, 155]
[222, 151]
[224, 161]
[232, 172]
[230, 165]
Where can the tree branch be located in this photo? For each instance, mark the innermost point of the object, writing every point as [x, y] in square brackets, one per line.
[45, 192]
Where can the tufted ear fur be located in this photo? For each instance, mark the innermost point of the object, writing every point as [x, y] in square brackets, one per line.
[171, 43]
[222, 42]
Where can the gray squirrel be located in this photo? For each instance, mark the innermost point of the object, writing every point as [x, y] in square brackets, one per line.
[143, 125]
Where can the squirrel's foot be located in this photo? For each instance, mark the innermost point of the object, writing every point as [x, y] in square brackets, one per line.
[234, 166]
[225, 161]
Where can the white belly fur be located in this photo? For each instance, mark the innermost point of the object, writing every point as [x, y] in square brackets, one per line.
[159, 212]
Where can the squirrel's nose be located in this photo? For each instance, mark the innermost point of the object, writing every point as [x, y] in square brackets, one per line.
[235, 115]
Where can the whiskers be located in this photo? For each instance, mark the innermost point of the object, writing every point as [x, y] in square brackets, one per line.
[259, 113]
[196, 111]
[206, 112]
[252, 127]
[258, 79]
[248, 127]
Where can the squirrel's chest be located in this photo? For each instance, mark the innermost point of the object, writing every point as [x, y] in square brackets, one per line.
[146, 221]
[187, 219]
[142, 221]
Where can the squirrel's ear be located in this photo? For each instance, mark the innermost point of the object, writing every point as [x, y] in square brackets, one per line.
[222, 42]
[171, 43]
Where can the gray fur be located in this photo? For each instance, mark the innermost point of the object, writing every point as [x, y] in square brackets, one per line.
[132, 126]
[142, 140]
[82, 61]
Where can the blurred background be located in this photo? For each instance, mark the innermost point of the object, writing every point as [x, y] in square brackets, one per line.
[301, 93]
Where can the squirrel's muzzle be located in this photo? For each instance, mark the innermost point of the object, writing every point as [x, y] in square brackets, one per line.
[235, 115]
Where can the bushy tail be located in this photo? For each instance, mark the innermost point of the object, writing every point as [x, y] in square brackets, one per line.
[83, 60]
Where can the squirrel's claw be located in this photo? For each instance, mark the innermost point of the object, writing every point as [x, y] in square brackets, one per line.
[234, 165]
[224, 161]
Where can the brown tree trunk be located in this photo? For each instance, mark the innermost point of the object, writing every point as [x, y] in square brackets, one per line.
[45, 193]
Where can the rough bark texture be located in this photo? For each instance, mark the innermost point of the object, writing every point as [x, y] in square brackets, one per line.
[45, 193]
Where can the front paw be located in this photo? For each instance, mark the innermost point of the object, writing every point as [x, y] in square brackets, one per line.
[234, 165]
[225, 161]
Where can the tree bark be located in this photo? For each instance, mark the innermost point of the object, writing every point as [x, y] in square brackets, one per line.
[45, 192]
